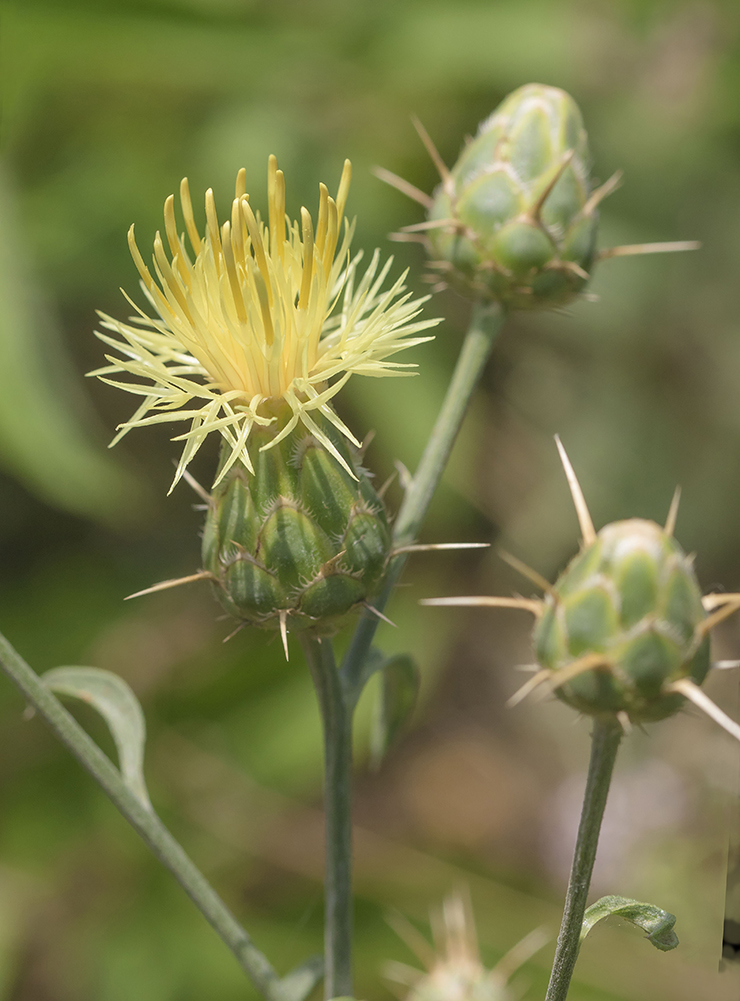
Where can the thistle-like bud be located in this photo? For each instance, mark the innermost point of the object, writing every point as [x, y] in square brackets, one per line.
[521, 217]
[623, 622]
[624, 631]
[515, 221]
[300, 542]
[454, 971]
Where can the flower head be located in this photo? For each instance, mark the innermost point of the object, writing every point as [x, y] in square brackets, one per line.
[257, 315]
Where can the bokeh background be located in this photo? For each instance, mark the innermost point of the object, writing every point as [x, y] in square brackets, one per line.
[105, 106]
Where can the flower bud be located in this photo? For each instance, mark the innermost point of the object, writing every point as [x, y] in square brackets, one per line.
[301, 541]
[517, 221]
[622, 622]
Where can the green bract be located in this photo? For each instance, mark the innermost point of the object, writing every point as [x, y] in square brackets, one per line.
[522, 219]
[631, 600]
[298, 539]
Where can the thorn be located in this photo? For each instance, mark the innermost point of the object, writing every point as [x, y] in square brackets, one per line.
[625, 722]
[383, 618]
[165, 584]
[537, 579]
[648, 248]
[534, 212]
[404, 476]
[433, 152]
[712, 601]
[520, 953]
[691, 691]
[575, 268]
[440, 545]
[586, 663]
[384, 488]
[670, 522]
[405, 187]
[421, 227]
[233, 633]
[412, 937]
[726, 665]
[406, 238]
[284, 631]
[529, 686]
[579, 502]
[527, 668]
[729, 608]
[598, 196]
[328, 567]
[366, 442]
[28, 713]
[533, 605]
[200, 491]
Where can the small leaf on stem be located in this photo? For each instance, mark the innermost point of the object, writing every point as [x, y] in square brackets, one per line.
[119, 707]
[656, 922]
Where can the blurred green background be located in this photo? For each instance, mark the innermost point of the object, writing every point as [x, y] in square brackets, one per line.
[105, 106]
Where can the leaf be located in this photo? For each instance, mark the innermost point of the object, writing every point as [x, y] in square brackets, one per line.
[656, 922]
[398, 693]
[119, 707]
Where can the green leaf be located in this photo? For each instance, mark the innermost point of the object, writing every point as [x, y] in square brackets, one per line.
[656, 922]
[119, 707]
[398, 693]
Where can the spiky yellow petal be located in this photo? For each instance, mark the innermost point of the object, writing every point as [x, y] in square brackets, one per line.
[263, 312]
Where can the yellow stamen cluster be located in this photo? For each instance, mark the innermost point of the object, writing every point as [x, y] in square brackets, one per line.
[257, 313]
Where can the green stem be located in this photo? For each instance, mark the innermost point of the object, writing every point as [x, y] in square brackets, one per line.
[145, 822]
[485, 325]
[336, 715]
[604, 746]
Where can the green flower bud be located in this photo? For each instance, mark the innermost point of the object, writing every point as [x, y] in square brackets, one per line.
[300, 542]
[455, 971]
[522, 219]
[622, 622]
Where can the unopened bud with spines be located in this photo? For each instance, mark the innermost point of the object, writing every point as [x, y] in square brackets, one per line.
[622, 622]
[515, 221]
[300, 542]
[624, 630]
[521, 220]
[454, 971]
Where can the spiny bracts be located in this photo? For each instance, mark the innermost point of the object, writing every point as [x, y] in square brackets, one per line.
[454, 968]
[300, 542]
[622, 622]
[516, 215]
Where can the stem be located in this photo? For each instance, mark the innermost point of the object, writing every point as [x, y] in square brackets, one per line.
[604, 746]
[485, 325]
[145, 822]
[336, 716]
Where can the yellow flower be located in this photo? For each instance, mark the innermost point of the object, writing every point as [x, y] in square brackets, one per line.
[257, 315]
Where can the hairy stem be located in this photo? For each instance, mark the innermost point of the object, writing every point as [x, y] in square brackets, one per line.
[145, 822]
[485, 325]
[336, 715]
[605, 740]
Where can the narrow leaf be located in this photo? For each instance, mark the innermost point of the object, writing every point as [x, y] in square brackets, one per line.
[119, 707]
[656, 922]
[398, 693]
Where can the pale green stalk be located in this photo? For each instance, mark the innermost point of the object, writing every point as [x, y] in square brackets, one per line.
[339, 690]
[604, 746]
[336, 716]
[485, 325]
[145, 822]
